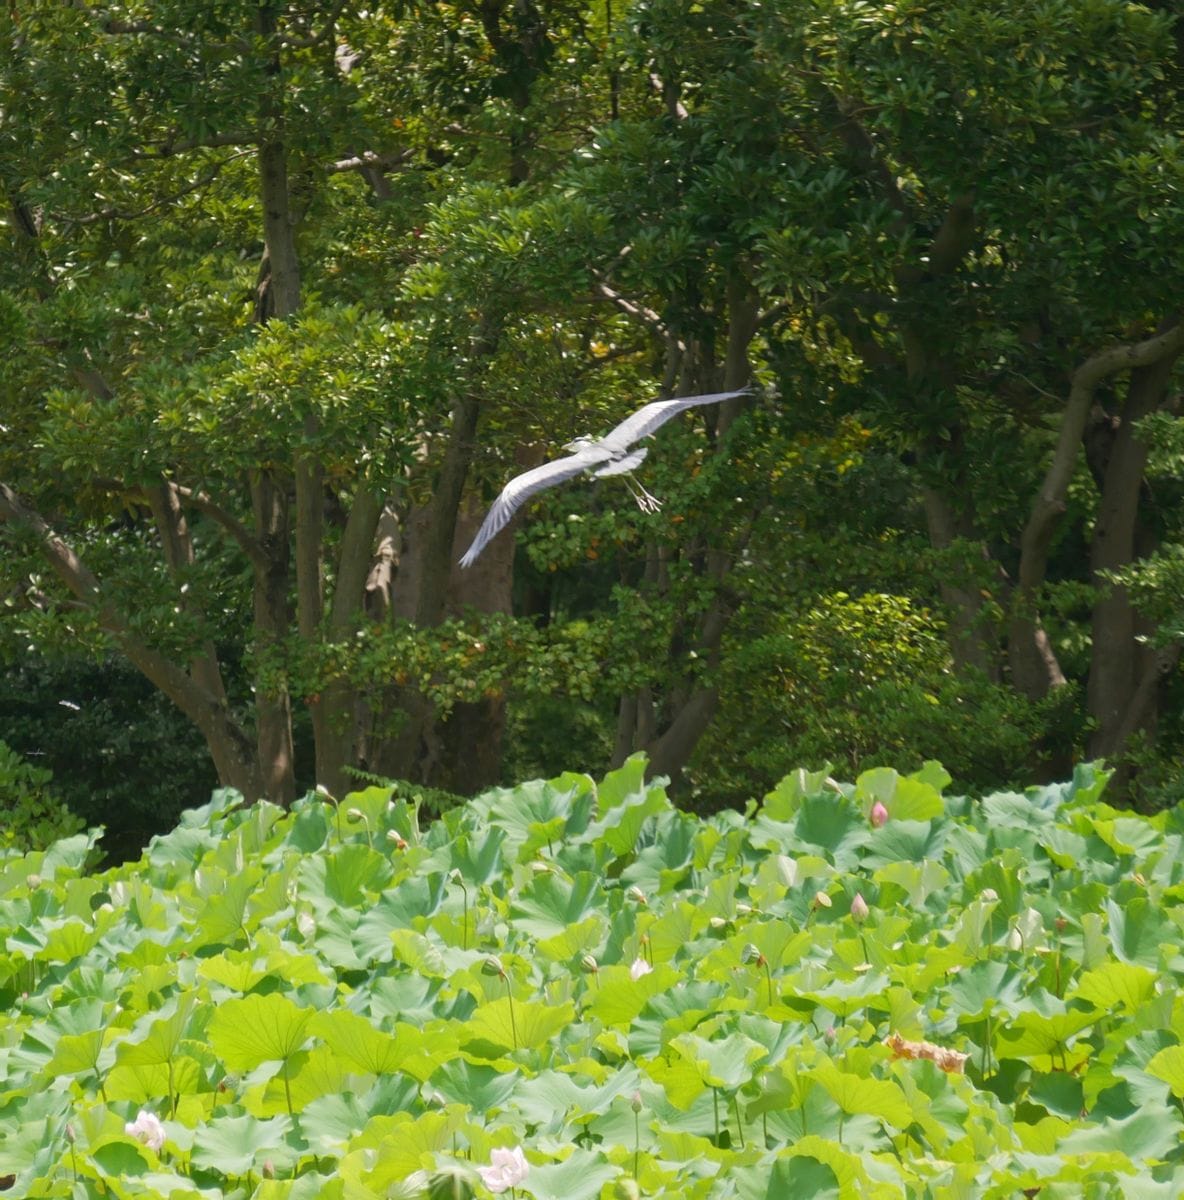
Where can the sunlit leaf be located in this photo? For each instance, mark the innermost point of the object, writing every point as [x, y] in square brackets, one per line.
[257, 1029]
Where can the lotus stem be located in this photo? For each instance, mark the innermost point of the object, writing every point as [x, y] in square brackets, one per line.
[637, 1138]
[510, 998]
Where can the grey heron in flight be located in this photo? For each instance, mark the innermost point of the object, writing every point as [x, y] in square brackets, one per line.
[609, 455]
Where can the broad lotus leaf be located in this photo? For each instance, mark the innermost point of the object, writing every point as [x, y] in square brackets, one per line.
[157, 1038]
[984, 987]
[575, 941]
[485, 1088]
[556, 1094]
[580, 1176]
[1148, 1134]
[77, 1053]
[832, 824]
[363, 1047]
[662, 865]
[881, 1098]
[234, 1145]
[1138, 930]
[624, 813]
[146, 1083]
[907, 841]
[404, 1143]
[257, 1029]
[1168, 1065]
[783, 802]
[729, 1062]
[799, 1175]
[617, 997]
[506, 1024]
[1117, 985]
[550, 904]
[344, 877]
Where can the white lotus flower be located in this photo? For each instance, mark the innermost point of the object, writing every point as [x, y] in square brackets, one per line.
[507, 1169]
[640, 967]
[147, 1128]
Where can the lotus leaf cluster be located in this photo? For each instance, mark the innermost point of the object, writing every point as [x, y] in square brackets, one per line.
[573, 991]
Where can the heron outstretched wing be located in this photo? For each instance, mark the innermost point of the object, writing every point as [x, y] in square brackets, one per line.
[611, 450]
[516, 493]
[655, 414]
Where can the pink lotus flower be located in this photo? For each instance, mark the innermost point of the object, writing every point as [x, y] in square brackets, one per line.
[507, 1169]
[878, 815]
[640, 967]
[146, 1128]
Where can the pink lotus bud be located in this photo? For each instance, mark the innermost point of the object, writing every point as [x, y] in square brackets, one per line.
[879, 814]
[859, 909]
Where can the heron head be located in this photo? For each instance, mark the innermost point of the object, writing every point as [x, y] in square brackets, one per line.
[577, 444]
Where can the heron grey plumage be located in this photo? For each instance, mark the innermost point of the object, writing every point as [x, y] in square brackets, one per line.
[609, 455]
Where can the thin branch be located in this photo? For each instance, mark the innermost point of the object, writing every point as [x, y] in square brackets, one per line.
[111, 25]
[650, 319]
[204, 504]
[315, 39]
[237, 530]
[369, 160]
[1050, 501]
[236, 137]
[113, 214]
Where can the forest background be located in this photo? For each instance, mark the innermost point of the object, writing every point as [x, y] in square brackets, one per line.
[289, 291]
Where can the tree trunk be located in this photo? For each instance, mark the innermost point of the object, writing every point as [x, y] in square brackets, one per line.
[1119, 662]
[177, 545]
[337, 709]
[1025, 651]
[971, 645]
[272, 619]
[230, 747]
[273, 525]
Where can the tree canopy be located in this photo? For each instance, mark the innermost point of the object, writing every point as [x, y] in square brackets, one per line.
[293, 288]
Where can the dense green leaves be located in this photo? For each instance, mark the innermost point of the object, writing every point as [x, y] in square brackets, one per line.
[1001, 1017]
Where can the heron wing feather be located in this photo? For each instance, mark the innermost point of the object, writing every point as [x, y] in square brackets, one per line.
[654, 415]
[516, 493]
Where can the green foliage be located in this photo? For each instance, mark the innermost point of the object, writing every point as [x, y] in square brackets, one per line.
[862, 681]
[119, 756]
[977, 997]
[31, 816]
[912, 222]
[541, 731]
[432, 801]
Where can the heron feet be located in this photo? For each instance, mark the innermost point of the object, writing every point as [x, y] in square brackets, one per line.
[646, 501]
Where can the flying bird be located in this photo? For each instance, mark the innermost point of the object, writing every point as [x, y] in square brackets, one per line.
[609, 455]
